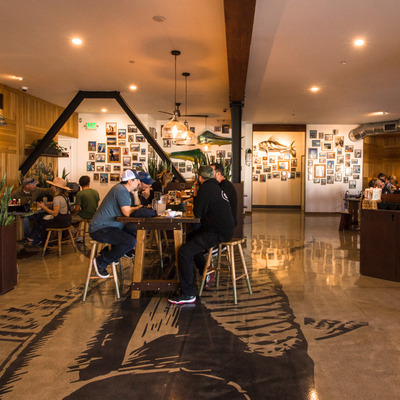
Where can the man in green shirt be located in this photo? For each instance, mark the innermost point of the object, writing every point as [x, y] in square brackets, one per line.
[86, 201]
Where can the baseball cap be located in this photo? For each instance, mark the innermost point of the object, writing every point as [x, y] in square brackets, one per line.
[146, 178]
[29, 181]
[206, 171]
[129, 174]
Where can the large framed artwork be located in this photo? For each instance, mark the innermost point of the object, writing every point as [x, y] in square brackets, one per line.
[113, 154]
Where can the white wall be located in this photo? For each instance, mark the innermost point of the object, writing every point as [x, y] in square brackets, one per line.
[329, 197]
[247, 143]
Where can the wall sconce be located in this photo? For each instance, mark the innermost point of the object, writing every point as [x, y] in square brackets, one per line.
[2, 119]
[248, 155]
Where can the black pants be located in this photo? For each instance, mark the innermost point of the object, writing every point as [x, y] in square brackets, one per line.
[61, 221]
[193, 250]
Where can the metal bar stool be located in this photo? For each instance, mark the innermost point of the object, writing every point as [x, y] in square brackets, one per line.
[91, 273]
[230, 250]
[59, 239]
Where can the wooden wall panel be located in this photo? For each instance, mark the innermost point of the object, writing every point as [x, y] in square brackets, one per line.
[28, 119]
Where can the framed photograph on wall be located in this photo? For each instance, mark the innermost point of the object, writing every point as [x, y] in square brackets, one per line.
[316, 143]
[91, 146]
[107, 168]
[131, 138]
[104, 178]
[328, 137]
[111, 141]
[327, 146]
[121, 133]
[100, 158]
[225, 128]
[313, 134]
[139, 138]
[121, 142]
[131, 129]
[114, 154]
[283, 165]
[126, 161]
[352, 184]
[312, 153]
[135, 157]
[90, 166]
[91, 156]
[358, 153]
[114, 177]
[348, 148]
[116, 168]
[135, 147]
[339, 141]
[319, 170]
[101, 147]
[125, 151]
[111, 128]
[96, 176]
[100, 168]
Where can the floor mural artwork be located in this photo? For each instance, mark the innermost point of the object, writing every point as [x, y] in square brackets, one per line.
[151, 349]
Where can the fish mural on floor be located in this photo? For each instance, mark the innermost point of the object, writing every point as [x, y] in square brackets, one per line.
[272, 145]
[196, 155]
[211, 138]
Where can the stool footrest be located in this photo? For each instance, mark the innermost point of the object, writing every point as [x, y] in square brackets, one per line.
[156, 285]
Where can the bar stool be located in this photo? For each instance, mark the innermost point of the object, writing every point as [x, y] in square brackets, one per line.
[83, 229]
[59, 239]
[230, 252]
[91, 273]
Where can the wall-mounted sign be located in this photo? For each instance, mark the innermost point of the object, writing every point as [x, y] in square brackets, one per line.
[90, 125]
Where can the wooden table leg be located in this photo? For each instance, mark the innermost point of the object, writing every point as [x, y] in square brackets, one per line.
[139, 257]
[178, 240]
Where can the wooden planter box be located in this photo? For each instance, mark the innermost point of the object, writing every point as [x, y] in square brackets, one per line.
[8, 257]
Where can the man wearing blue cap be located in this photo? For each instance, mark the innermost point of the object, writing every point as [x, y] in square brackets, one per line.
[105, 229]
[146, 193]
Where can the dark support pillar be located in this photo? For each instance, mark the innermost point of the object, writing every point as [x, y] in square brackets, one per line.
[236, 115]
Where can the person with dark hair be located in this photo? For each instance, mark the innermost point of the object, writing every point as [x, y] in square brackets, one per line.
[211, 205]
[227, 187]
[104, 227]
[386, 186]
[86, 201]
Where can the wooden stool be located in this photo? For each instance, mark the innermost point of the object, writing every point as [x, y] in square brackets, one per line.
[345, 220]
[230, 249]
[83, 229]
[91, 274]
[59, 239]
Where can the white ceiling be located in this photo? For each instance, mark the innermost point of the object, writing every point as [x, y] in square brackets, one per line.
[296, 44]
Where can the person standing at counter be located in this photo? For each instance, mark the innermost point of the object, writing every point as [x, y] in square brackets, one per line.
[211, 205]
[105, 229]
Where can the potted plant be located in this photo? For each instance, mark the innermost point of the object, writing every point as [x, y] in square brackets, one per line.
[52, 149]
[8, 242]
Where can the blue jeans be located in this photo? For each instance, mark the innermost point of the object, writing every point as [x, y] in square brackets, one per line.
[122, 241]
[193, 250]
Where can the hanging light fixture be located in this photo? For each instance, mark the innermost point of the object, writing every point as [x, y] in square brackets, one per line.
[2, 119]
[189, 137]
[174, 129]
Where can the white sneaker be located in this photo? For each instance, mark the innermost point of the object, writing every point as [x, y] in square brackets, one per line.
[101, 272]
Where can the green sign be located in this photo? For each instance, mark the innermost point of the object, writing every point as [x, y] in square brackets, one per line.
[91, 125]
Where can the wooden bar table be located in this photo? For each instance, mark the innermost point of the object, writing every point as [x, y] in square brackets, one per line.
[175, 224]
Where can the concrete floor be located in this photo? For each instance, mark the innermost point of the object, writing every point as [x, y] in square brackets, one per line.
[312, 329]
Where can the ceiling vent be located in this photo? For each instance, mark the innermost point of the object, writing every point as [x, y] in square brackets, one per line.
[376, 128]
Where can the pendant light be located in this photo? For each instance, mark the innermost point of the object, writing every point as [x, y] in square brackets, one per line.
[174, 129]
[189, 136]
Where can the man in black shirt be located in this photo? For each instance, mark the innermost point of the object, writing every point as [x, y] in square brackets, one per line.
[227, 187]
[211, 205]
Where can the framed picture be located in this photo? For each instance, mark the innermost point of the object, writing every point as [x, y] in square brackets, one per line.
[319, 170]
[348, 171]
[312, 153]
[310, 163]
[225, 128]
[91, 156]
[100, 158]
[91, 146]
[356, 169]
[111, 129]
[354, 161]
[339, 141]
[111, 141]
[327, 146]
[96, 176]
[121, 133]
[130, 128]
[352, 184]
[104, 178]
[321, 135]
[121, 142]
[192, 129]
[357, 153]
[116, 168]
[100, 168]
[345, 179]
[331, 155]
[137, 166]
[313, 134]
[143, 159]
[125, 151]
[330, 180]
[139, 138]
[114, 154]
[220, 153]
[322, 160]
[338, 168]
[317, 180]
[276, 175]
[340, 160]
[134, 156]
[131, 138]
[281, 157]
[107, 168]
[328, 137]
[143, 151]
[217, 128]
[339, 150]
[272, 159]
[101, 147]
[348, 148]
[90, 166]
[316, 143]
[255, 178]
[135, 147]
[283, 165]
[114, 177]
[338, 177]
[330, 163]
[126, 161]
[323, 181]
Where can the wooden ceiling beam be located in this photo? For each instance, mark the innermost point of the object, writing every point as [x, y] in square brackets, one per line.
[239, 19]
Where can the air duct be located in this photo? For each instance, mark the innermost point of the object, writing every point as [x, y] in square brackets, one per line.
[376, 128]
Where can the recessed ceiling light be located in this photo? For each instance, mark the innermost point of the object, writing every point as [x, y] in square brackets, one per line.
[77, 41]
[379, 113]
[133, 87]
[131, 62]
[359, 42]
[17, 78]
[159, 18]
[104, 110]
[314, 89]
[343, 62]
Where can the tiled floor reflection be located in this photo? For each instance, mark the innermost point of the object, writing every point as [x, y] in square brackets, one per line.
[312, 329]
